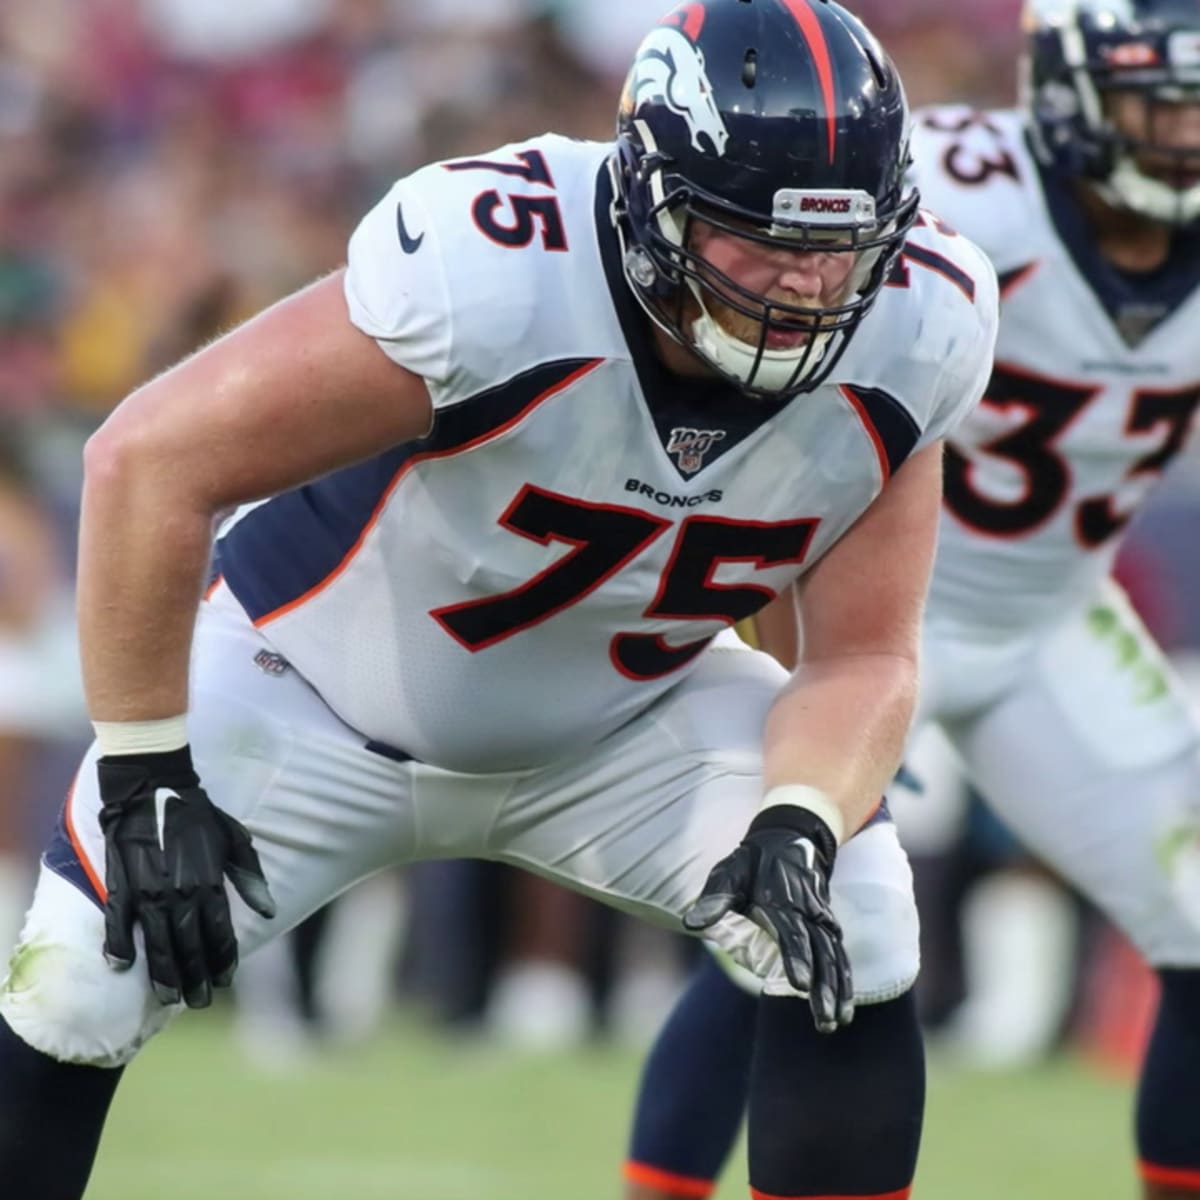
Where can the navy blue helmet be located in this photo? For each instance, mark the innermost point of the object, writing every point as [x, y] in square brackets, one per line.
[783, 121]
[1081, 54]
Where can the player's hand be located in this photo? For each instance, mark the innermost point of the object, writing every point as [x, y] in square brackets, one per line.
[779, 878]
[168, 849]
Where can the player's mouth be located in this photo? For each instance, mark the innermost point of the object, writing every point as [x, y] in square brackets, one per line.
[786, 339]
[1178, 173]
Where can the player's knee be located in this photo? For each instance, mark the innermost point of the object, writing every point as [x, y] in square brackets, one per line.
[882, 938]
[62, 998]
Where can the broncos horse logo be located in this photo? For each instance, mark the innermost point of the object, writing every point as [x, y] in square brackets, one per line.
[669, 68]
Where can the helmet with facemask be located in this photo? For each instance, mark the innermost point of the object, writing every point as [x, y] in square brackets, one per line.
[1083, 57]
[783, 122]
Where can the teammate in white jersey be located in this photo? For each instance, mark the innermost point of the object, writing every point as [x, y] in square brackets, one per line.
[471, 602]
[1064, 713]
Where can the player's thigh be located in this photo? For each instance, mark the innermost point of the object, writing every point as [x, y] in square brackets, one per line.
[323, 811]
[642, 821]
[1093, 760]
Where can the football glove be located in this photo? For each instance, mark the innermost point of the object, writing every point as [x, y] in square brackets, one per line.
[168, 848]
[779, 878]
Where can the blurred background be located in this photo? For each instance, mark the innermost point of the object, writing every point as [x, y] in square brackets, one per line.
[168, 167]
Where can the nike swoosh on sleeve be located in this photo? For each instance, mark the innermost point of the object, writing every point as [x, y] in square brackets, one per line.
[408, 243]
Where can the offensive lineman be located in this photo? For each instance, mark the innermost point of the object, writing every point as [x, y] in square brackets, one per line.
[1064, 713]
[626, 395]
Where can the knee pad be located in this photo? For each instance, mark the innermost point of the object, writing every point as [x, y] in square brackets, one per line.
[62, 998]
[872, 893]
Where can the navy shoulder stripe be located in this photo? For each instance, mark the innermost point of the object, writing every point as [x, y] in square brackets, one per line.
[891, 425]
[286, 548]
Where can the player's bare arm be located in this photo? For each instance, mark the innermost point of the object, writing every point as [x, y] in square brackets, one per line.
[834, 737]
[294, 393]
[289, 396]
[840, 724]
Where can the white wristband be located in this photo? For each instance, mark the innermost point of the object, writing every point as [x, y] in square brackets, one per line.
[141, 737]
[819, 803]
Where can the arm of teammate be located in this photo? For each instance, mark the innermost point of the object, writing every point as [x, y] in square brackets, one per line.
[294, 393]
[835, 735]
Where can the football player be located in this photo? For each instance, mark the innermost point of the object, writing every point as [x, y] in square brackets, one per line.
[1068, 720]
[571, 411]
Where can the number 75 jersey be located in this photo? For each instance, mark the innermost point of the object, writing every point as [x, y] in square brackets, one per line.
[1095, 387]
[579, 523]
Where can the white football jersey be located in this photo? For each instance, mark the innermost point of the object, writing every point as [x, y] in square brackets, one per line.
[579, 523]
[1095, 389]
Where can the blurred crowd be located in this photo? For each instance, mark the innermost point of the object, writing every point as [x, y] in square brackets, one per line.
[168, 167]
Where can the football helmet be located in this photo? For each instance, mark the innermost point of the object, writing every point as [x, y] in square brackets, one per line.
[780, 121]
[1078, 54]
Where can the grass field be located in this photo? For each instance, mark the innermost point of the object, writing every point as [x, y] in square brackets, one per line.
[414, 1115]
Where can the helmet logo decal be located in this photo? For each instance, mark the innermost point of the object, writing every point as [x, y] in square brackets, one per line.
[671, 69]
[691, 445]
[814, 35]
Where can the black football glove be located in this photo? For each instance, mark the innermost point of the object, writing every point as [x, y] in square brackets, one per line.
[779, 878]
[168, 848]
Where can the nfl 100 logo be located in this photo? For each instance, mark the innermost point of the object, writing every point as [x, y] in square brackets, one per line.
[691, 445]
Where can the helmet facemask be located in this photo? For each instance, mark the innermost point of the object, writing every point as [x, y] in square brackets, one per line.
[1154, 174]
[696, 303]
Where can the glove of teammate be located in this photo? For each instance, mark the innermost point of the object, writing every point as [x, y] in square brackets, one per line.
[779, 878]
[168, 848]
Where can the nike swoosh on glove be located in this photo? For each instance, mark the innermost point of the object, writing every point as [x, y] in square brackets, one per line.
[168, 851]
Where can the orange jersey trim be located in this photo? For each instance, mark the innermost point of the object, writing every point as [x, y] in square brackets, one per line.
[76, 844]
[880, 450]
[1010, 282]
[666, 1181]
[292, 605]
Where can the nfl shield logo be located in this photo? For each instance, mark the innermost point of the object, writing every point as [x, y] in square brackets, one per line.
[691, 445]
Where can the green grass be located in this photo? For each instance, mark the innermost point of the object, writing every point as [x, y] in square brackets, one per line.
[415, 1115]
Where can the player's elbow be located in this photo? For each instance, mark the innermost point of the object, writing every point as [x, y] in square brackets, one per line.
[129, 453]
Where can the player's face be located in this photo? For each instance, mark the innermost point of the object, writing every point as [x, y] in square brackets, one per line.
[1165, 134]
[797, 278]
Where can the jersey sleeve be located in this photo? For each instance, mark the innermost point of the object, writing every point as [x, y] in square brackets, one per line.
[968, 361]
[396, 285]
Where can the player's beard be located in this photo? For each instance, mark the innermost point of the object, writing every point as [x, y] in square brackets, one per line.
[748, 329]
[1179, 171]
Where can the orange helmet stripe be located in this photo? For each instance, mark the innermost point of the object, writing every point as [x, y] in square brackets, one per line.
[814, 35]
[688, 17]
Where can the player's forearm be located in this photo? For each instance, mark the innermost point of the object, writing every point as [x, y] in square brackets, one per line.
[143, 553]
[840, 726]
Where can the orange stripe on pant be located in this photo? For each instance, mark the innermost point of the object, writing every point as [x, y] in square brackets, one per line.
[665, 1181]
[902, 1194]
[69, 821]
[1176, 1177]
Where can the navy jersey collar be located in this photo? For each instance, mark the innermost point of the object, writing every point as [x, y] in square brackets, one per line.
[674, 402]
[1136, 302]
